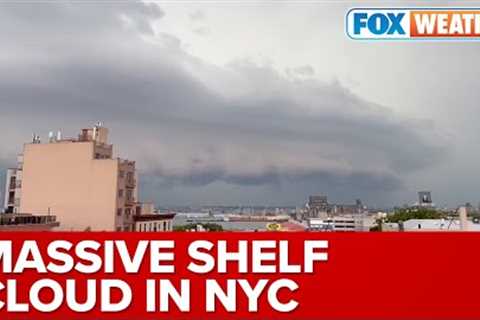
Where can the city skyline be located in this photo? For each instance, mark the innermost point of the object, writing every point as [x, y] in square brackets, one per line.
[245, 104]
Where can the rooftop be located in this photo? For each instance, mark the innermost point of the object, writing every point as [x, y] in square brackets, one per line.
[19, 220]
[153, 217]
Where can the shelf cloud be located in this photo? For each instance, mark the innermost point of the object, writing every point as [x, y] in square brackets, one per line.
[189, 123]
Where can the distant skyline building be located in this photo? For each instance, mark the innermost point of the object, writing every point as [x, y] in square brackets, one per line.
[425, 199]
[356, 208]
[354, 222]
[317, 206]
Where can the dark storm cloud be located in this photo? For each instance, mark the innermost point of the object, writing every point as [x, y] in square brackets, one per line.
[75, 19]
[357, 180]
[189, 123]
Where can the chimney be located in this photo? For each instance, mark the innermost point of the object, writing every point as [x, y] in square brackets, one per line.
[462, 212]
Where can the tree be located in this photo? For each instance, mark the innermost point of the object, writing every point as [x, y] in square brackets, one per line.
[401, 215]
[211, 227]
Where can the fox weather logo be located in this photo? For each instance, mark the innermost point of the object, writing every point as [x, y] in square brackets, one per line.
[413, 23]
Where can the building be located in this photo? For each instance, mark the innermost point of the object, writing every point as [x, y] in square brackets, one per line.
[317, 206]
[341, 223]
[27, 222]
[470, 208]
[436, 225]
[78, 180]
[148, 219]
[12, 186]
[155, 222]
[425, 199]
[343, 209]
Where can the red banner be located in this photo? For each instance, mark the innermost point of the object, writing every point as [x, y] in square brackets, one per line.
[239, 275]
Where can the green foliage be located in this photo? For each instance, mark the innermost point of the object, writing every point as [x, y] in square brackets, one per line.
[193, 226]
[474, 215]
[414, 213]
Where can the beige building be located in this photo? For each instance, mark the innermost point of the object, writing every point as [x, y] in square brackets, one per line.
[77, 180]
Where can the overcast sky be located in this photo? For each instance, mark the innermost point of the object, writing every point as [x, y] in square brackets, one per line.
[246, 103]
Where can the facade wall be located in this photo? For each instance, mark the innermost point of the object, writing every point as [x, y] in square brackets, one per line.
[338, 224]
[126, 196]
[12, 190]
[65, 179]
[7, 196]
[154, 225]
[28, 227]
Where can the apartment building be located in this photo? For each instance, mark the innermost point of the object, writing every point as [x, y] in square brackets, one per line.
[27, 222]
[353, 222]
[11, 200]
[78, 180]
[154, 222]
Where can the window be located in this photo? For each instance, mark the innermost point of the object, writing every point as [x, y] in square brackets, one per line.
[119, 229]
[11, 198]
[127, 212]
[119, 212]
[120, 193]
[164, 225]
[13, 182]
